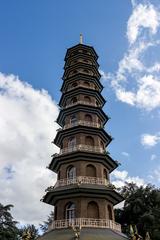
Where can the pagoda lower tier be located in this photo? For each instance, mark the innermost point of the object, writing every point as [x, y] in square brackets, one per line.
[84, 192]
[81, 155]
[84, 107]
[83, 130]
[82, 187]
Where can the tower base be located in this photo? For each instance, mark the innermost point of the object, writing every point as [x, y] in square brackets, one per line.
[85, 234]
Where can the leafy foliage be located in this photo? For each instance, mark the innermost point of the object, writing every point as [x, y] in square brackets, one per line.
[8, 229]
[44, 227]
[141, 208]
[29, 232]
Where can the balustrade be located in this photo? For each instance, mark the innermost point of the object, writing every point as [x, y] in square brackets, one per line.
[85, 222]
[82, 147]
[81, 102]
[82, 180]
[81, 85]
[82, 123]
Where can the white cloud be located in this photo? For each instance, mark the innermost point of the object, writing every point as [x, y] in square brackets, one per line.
[148, 94]
[103, 75]
[153, 157]
[155, 175]
[126, 154]
[143, 16]
[125, 96]
[137, 81]
[121, 177]
[27, 129]
[149, 140]
[154, 68]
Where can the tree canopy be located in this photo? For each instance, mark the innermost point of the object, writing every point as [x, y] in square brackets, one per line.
[9, 229]
[141, 209]
[29, 232]
[44, 227]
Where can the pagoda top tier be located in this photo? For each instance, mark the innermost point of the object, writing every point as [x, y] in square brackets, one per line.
[81, 48]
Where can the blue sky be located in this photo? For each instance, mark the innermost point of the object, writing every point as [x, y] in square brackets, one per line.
[34, 38]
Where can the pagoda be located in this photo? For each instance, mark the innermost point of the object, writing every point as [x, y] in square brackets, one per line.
[83, 196]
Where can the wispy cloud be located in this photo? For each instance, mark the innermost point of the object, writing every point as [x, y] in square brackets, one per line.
[153, 157]
[136, 81]
[155, 175]
[27, 128]
[149, 140]
[121, 177]
[144, 16]
[126, 154]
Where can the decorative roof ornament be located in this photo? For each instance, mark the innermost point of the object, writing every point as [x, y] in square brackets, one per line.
[27, 235]
[81, 38]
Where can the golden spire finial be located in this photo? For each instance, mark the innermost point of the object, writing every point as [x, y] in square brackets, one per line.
[81, 38]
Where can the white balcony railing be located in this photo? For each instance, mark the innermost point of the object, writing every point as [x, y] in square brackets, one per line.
[85, 222]
[82, 180]
[83, 123]
[83, 148]
[83, 103]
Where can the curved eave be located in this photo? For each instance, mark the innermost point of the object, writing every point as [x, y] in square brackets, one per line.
[83, 190]
[82, 129]
[70, 158]
[84, 108]
[84, 77]
[82, 90]
[83, 56]
[81, 65]
[80, 46]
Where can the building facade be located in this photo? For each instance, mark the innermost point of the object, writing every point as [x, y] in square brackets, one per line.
[83, 196]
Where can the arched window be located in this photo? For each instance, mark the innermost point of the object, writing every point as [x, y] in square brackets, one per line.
[71, 172]
[99, 122]
[71, 142]
[70, 211]
[73, 62]
[85, 51]
[87, 99]
[58, 175]
[75, 71]
[102, 145]
[88, 118]
[55, 213]
[85, 70]
[110, 213]
[86, 84]
[86, 61]
[74, 100]
[73, 119]
[92, 210]
[74, 84]
[89, 141]
[90, 171]
[105, 174]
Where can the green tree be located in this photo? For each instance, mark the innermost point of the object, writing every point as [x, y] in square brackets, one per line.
[8, 229]
[46, 224]
[29, 232]
[141, 209]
